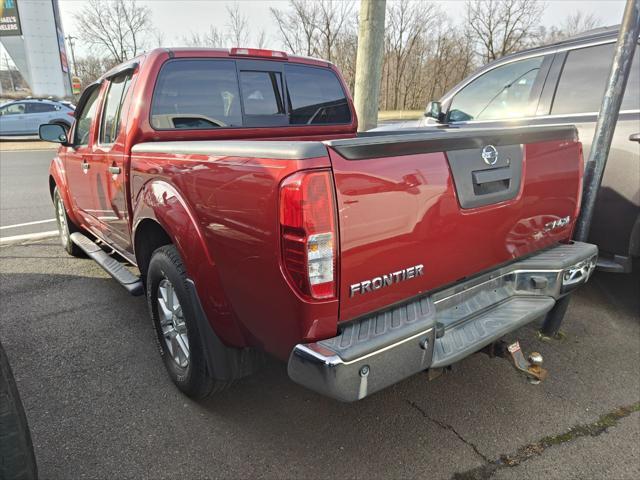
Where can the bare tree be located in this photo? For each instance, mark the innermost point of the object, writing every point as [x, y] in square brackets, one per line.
[298, 26]
[499, 27]
[407, 23]
[237, 27]
[579, 22]
[315, 28]
[346, 50]
[212, 38]
[158, 38]
[91, 67]
[117, 27]
[332, 18]
[261, 39]
[572, 25]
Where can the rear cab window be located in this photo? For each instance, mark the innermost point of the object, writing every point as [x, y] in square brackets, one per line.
[316, 96]
[220, 93]
[196, 94]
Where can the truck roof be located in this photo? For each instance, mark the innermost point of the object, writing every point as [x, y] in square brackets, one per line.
[252, 53]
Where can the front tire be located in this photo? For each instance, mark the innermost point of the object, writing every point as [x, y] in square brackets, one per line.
[65, 226]
[174, 319]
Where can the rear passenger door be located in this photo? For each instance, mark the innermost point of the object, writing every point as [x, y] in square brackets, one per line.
[263, 93]
[109, 157]
[574, 96]
[37, 114]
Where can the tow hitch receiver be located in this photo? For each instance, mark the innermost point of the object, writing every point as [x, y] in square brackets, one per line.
[531, 368]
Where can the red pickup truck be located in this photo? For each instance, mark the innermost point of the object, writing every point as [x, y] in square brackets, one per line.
[258, 220]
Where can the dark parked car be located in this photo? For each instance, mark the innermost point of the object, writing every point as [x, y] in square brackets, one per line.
[24, 117]
[17, 460]
[563, 84]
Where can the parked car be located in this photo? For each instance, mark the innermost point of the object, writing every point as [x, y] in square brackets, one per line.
[17, 460]
[562, 84]
[24, 117]
[260, 221]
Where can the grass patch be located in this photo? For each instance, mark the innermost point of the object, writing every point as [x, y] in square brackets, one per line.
[525, 452]
[386, 115]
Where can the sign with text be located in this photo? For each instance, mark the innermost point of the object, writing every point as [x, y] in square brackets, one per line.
[9, 19]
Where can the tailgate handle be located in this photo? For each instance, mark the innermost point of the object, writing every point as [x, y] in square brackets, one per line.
[494, 175]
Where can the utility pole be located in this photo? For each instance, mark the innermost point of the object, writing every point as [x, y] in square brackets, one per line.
[606, 125]
[70, 39]
[369, 62]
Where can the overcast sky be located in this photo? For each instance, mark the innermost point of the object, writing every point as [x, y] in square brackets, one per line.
[177, 18]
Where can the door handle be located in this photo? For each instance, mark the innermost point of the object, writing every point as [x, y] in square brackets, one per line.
[114, 170]
[85, 166]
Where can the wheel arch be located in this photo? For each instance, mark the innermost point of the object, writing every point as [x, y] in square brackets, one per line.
[162, 216]
[149, 235]
[61, 121]
[57, 178]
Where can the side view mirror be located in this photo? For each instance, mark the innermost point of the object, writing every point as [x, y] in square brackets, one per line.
[53, 132]
[434, 110]
[635, 137]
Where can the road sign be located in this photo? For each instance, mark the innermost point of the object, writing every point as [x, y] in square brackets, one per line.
[9, 19]
[76, 85]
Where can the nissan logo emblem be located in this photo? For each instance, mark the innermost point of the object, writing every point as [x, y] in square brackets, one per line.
[490, 155]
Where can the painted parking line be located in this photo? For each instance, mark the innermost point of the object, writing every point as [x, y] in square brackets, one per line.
[18, 225]
[28, 236]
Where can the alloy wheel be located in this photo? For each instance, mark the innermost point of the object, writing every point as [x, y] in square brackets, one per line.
[172, 324]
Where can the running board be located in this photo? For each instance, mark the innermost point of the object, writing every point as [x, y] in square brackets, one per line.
[113, 267]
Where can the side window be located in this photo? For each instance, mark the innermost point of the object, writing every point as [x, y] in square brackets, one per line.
[262, 93]
[84, 121]
[110, 123]
[584, 79]
[40, 107]
[196, 94]
[13, 109]
[316, 96]
[501, 93]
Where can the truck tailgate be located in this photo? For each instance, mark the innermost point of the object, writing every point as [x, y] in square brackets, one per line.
[418, 211]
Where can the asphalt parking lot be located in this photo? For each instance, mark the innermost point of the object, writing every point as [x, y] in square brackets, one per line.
[25, 204]
[101, 406]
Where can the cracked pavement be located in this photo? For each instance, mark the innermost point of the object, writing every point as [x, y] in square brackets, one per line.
[101, 406]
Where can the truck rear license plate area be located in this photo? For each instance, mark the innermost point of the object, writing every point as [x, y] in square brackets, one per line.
[439, 329]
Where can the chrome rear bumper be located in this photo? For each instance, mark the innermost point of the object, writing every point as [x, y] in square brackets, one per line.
[439, 329]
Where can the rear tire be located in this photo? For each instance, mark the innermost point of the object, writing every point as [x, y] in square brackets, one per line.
[174, 319]
[65, 226]
[17, 460]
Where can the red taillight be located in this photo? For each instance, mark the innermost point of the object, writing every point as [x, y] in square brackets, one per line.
[308, 229]
[258, 52]
[71, 114]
